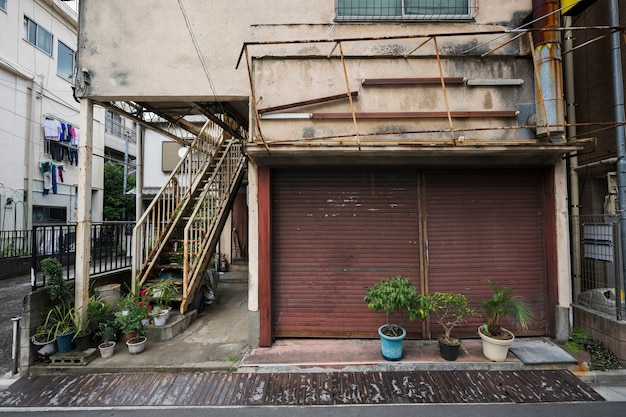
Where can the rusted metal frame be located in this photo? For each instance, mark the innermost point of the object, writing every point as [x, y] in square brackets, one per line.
[513, 39]
[188, 126]
[345, 74]
[597, 38]
[254, 105]
[143, 123]
[411, 81]
[326, 99]
[218, 121]
[416, 115]
[362, 39]
[337, 138]
[417, 47]
[445, 93]
[538, 81]
[418, 36]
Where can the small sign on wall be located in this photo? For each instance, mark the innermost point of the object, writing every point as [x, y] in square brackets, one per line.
[169, 155]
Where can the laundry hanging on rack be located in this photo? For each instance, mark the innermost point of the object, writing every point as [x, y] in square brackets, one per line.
[64, 139]
[52, 175]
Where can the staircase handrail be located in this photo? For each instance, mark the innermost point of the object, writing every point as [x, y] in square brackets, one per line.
[208, 218]
[151, 230]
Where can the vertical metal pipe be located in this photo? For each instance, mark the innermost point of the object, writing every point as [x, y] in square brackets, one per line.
[620, 137]
[549, 78]
[574, 199]
[15, 344]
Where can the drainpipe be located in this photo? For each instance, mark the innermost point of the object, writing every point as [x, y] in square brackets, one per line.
[549, 78]
[620, 137]
[574, 200]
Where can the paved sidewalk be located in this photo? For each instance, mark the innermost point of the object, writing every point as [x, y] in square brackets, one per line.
[218, 341]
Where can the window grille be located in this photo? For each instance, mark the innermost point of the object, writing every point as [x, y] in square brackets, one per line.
[363, 10]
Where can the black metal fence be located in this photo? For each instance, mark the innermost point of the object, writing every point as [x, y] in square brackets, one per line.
[598, 279]
[110, 247]
[15, 243]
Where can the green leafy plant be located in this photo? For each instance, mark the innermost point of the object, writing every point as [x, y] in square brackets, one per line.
[503, 305]
[396, 295]
[232, 359]
[52, 270]
[601, 358]
[130, 318]
[449, 310]
[106, 332]
[62, 319]
[161, 292]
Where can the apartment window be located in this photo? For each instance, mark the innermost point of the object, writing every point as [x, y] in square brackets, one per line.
[3, 5]
[38, 36]
[65, 61]
[359, 10]
[113, 124]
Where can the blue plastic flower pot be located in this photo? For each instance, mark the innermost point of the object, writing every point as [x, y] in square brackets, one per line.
[391, 347]
[65, 343]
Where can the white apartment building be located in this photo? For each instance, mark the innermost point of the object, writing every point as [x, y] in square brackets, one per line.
[39, 118]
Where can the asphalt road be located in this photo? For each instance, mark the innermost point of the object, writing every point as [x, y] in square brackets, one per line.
[12, 292]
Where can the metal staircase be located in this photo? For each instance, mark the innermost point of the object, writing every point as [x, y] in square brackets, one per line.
[179, 231]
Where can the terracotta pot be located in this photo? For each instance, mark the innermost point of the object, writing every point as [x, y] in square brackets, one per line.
[128, 336]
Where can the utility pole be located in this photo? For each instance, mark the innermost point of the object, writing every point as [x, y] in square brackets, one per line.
[620, 137]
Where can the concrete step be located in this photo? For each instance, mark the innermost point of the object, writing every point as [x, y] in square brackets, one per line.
[175, 325]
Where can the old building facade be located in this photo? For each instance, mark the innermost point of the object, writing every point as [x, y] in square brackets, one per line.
[415, 138]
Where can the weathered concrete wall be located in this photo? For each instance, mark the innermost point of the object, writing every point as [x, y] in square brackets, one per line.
[602, 327]
[149, 49]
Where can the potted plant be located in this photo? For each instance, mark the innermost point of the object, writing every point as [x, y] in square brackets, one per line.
[161, 293]
[106, 333]
[64, 326]
[52, 271]
[59, 294]
[496, 339]
[44, 340]
[395, 295]
[449, 310]
[130, 319]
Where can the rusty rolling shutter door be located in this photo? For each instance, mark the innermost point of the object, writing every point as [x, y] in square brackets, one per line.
[335, 233]
[487, 224]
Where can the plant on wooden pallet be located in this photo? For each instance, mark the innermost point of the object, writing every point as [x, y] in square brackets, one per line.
[449, 310]
[395, 295]
[502, 305]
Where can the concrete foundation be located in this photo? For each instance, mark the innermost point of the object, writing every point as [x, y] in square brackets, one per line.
[603, 327]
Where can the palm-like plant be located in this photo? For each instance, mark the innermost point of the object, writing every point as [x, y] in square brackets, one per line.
[503, 305]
